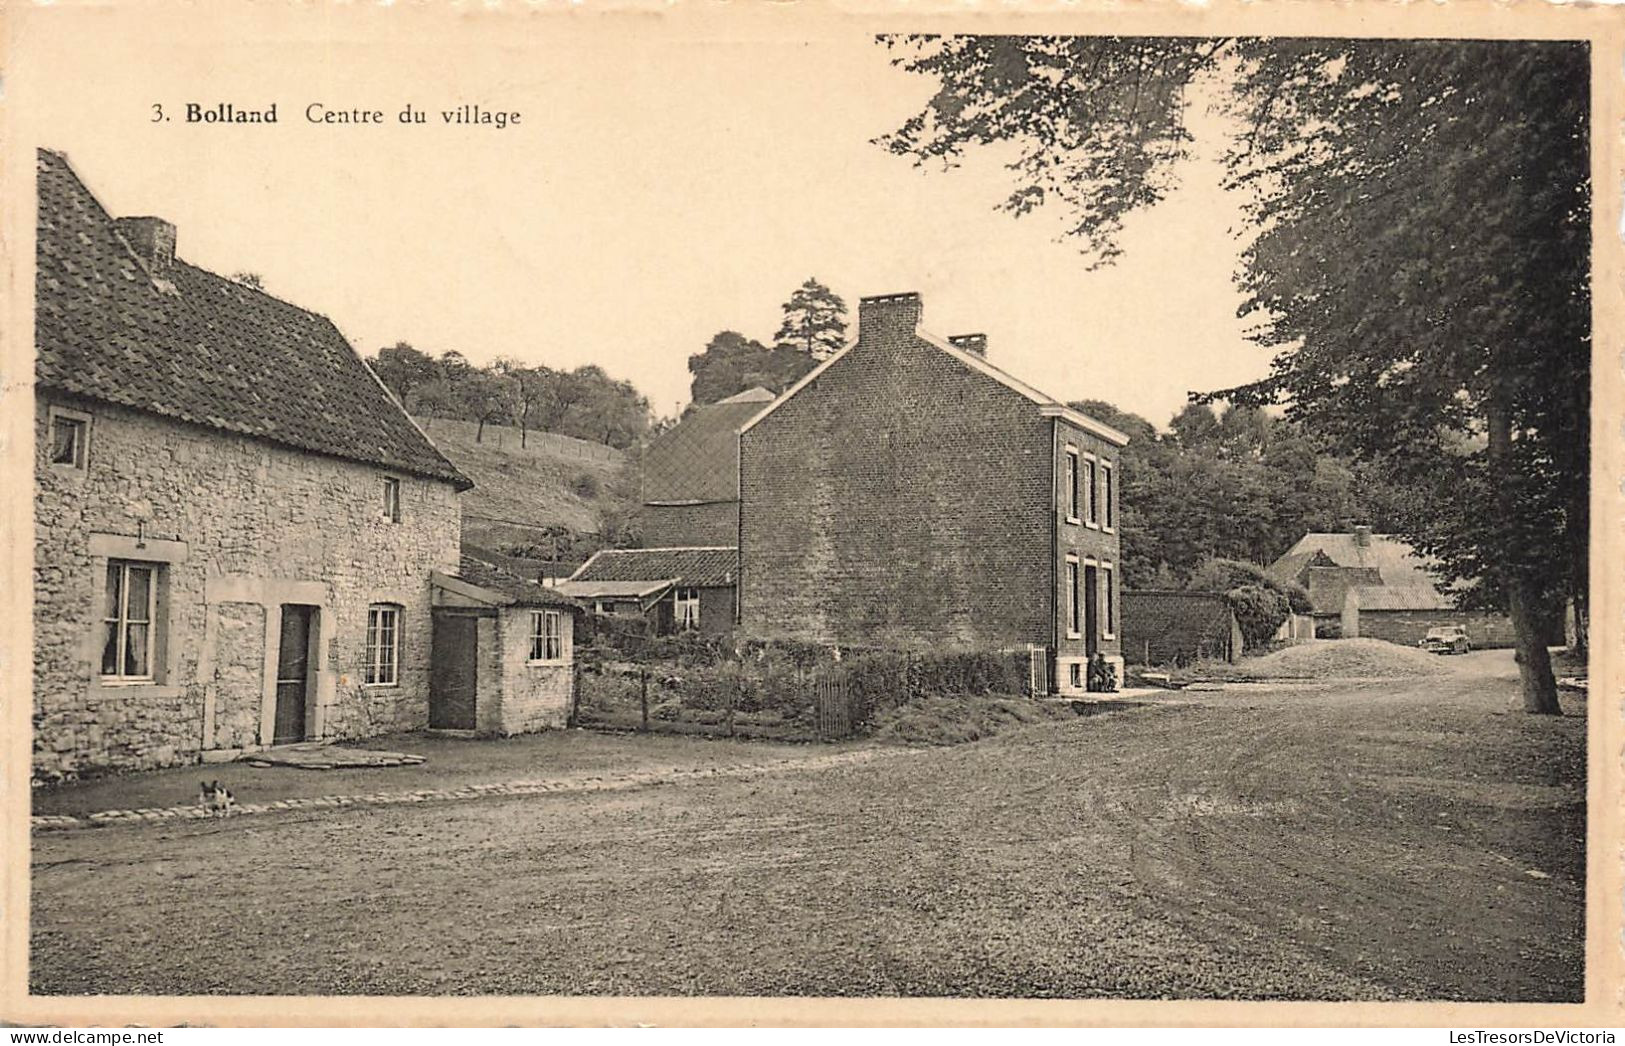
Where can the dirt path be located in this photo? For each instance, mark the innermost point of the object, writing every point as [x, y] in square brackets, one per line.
[1407, 842]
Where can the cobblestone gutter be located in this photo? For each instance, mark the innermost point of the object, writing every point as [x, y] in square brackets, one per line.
[532, 786]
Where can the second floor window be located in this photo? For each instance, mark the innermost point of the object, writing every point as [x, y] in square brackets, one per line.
[68, 438]
[1108, 493]
[1071, 493]
[1091, 500]
[392, 499]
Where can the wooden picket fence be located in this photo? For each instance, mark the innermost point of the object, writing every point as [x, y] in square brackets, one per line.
[834, 703]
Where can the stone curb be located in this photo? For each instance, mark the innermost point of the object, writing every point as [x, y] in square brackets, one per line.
[532, 786]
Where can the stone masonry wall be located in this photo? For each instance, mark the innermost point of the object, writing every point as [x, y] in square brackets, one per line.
[899, 499]
[534, 697]
[232, 521]
[1407, 627]
[676, 526]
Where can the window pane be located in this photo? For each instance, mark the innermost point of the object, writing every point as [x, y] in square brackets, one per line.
[135, 651]
[110, 650]
[140, 594]
[115, 591]
[65, 442]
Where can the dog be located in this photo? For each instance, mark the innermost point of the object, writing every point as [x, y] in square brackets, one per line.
[215, 798]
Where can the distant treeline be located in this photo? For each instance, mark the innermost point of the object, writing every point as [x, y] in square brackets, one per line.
[585, 403]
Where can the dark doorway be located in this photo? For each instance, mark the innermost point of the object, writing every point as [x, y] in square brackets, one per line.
[454, 655]
[1091, 610]
[293, 662]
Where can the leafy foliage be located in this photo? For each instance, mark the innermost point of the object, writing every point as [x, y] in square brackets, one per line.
[814, 321]
[585, 403]
[1419, 263]
[732, 363]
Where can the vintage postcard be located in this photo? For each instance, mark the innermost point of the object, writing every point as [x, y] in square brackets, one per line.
[812, 513]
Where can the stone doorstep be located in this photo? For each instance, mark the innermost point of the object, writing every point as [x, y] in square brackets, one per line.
[534, 786]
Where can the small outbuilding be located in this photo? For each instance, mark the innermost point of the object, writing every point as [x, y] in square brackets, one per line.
[675, 589]
[503, 659]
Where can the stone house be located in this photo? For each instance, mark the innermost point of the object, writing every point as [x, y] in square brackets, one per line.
[235, 523]
[675, 589]
[907, 492]
[1377, 586]
[503, 660]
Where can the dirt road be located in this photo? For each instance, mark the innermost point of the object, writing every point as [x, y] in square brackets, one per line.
[1415, 840]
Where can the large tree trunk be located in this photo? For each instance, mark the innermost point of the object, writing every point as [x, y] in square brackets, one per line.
[1529, 642]
[1524, 604]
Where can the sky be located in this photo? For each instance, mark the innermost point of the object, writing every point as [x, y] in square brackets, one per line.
[663, 184]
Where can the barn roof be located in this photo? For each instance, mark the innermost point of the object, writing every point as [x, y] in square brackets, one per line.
[184, 343]
[709, 567]
[1388, 572]
[697, 460]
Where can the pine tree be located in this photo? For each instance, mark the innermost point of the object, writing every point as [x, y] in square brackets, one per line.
[814, 321]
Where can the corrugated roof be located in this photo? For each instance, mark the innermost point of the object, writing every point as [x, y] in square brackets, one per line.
[200, 348]
[697, 460]
[700, 567]
[1405, 581]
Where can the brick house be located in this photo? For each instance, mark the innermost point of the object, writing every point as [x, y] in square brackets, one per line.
[907, 492]
[691, 475]
[674, 588]
[235, 523]
[1377, 586]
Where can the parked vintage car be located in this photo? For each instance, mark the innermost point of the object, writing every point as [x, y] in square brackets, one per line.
[1450, 639]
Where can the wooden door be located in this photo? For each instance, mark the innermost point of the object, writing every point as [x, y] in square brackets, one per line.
[1091, 610]
[292, 673]
[452, 677]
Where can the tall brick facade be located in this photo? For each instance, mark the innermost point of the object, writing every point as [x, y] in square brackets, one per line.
[909, 494]
[236, 528]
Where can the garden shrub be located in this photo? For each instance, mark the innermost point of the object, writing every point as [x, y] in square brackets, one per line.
[1259, 611]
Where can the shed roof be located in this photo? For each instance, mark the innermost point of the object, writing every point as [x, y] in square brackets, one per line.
[703, 567]
[615, 589]
[187, 344]
[510, 589]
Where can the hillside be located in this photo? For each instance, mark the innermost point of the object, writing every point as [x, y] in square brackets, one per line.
[552, 481]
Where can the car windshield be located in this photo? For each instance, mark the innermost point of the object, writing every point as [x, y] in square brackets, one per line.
[1442, 633]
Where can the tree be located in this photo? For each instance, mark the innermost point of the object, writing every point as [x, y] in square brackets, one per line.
[732, 363]
[814, 321]
[1420, 266]
[403, 368]
[487, 398]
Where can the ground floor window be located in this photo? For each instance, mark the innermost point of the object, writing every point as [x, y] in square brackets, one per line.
[1106, 577]
[129, 619]
[685, 605]
[1075, 675]
[383, 645]
[546, 635]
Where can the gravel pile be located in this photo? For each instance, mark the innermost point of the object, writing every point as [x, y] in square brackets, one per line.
[1348, 659]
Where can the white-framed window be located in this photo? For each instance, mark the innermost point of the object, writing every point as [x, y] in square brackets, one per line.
[1075, 675]
[1071, 493]
[685, 607]
[1108, 493]
[1074, 627]
[546, 635]
[1108, 609]
[129, 618]
[392, 499]
[1091, 497]
[70, 438]
[383, 645]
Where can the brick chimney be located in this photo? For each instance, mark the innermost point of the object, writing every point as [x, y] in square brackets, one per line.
[151, 239]
[976, 343]
[1362, 537]
[889, 313]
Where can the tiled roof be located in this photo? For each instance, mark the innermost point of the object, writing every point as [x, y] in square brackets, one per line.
[700, 567]
[187, 344]
[517, 590]
[1388, 573]
[698, 459]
